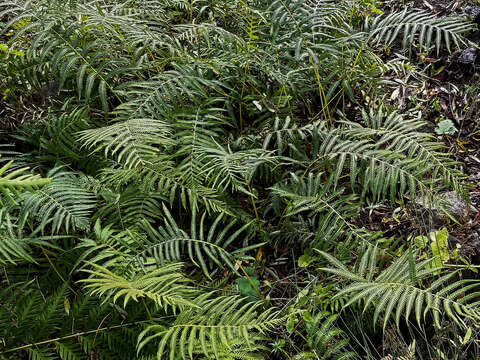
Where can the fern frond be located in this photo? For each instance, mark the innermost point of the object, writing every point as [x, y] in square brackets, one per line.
[111, 248]
[129, 206]
[224, 168]
[328, 341]
[217, 321]
[133, 142]
[381, 172]
[393, 292]
[40, 354]
[17, 242]
[170, 242]
[68, 350]
[331, 209]
[63, 203]
[60, 137]
[170, 184]
[18, 180]
[166, 286]
[418, 27]
[397, 133]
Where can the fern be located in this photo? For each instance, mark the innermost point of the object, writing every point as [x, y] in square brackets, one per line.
[211, 326]
[69, 350]
[417, 26]
[132, 141]
[326, 341]
[165, 285]
[160, 129]
[63, 203]
[394, 292]
[382, 171]
[170, 242]
[129, 207]
[17, 180]
[17, 241]
[62, 130]
[399, 134]
[312, 196]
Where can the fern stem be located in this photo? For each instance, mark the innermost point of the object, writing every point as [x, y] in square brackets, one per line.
[56, 271]
[351, 12]
[252, 198]
[250, 281]
[323, 97]
[146, 308]
[72, 336]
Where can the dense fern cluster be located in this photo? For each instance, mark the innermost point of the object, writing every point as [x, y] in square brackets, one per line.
[177, 145]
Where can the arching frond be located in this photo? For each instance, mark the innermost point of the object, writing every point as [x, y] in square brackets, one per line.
[62, 203]
[399, 289]
[132, 142]
[211, 326]
[326, 340]
[399, 134]
[417, 26]
[224, 168]
[204, 249]
[12, 182]
[381, 172]
[166, 286]
[129, 207]
[16, 241]
[330, 209]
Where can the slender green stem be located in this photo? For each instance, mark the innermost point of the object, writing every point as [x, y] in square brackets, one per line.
[23, 347]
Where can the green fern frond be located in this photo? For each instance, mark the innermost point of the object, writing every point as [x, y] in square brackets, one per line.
[217, 321]
[166, 286]
[133, 142]
[330, 209]
[110, 247]
[169, 184]
[224, 168]
[397, 133]
[68, 350]
[393, 292]
[40, 354]
[62, 203]
[170, 242]
[381, 172]
[328, 341]
[17, 241]
[18, 180]
[417, 26]
[129, 206]
[61, 132]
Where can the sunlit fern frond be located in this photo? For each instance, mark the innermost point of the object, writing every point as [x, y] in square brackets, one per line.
[165, 286]
[132, 142]
[394, 132]
[17, 180]
[380, 172]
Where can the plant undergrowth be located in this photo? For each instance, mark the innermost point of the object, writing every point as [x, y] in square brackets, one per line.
[184, 179]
